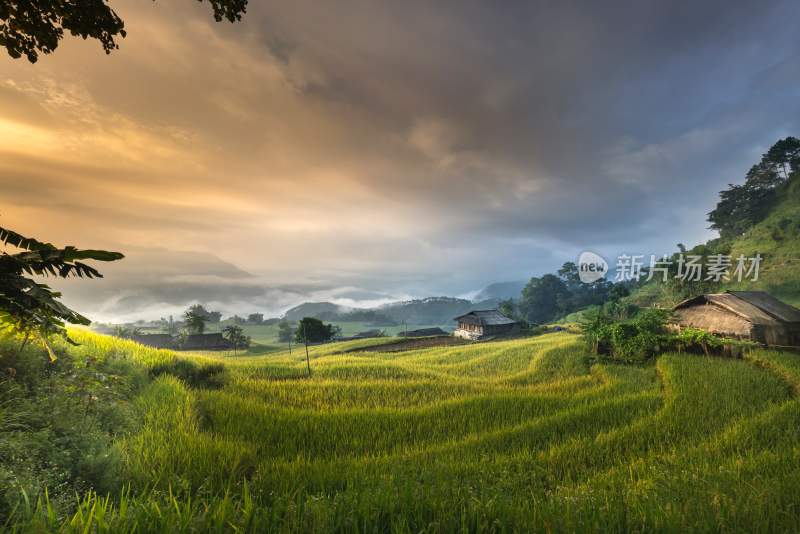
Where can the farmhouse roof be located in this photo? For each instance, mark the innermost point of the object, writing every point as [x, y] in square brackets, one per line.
[486, 317]
[758, 307]
[369, 333]
[154, 340]
[766, 302]
[205, 341]
[423, 332]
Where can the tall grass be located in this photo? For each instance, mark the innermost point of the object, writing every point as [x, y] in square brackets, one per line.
[505, 436]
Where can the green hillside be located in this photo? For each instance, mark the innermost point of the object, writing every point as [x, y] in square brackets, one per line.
[517, 435]
[321, 310]
[776, 238]
[431, 311]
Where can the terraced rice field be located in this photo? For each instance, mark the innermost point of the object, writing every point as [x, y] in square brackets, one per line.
[517, 435]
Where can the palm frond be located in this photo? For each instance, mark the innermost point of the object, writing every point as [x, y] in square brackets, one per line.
[9, 237]
[28, 307]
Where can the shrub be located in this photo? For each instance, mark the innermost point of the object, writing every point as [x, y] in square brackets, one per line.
[635, 339]
[645, 336]
[697, 340]
[59, 421]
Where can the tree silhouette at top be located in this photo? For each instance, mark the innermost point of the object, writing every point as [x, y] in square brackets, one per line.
[32, 27]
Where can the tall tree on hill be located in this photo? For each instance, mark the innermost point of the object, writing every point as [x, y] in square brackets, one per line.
[195, 319]
[236, 337]
[587, 294]
[209, 316]
[285, 331]
[255, 318]
[743, 206]
[784, 156]
[171, 328]
[312, 330]
[32, 27]
[578, 291]
[236, 319]
[28, 308]
[126, 332]
[507, 308]
[543, 299]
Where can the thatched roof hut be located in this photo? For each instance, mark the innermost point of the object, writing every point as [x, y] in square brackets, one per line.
[423, 332]
[205, 342]
[752, 315]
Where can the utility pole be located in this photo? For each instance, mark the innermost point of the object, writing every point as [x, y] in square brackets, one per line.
[305, 340]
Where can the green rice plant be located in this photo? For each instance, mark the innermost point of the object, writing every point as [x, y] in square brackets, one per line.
[507, 436]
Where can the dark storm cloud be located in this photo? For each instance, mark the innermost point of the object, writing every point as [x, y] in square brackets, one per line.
[601, 107]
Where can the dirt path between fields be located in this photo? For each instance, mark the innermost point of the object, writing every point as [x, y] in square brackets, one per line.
[413, 344]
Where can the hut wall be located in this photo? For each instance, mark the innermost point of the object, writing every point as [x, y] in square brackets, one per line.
[500, 329]
[470, 327]
[785, 335]
[465, 333]
[715, 320]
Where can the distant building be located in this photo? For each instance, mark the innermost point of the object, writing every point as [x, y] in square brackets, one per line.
[423, 332]
[205, 342]
[369, 333]
[158, 341]
[362, 335]
[479, 324]
[749, 315]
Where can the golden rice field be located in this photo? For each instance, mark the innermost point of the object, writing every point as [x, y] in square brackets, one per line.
[512, 436]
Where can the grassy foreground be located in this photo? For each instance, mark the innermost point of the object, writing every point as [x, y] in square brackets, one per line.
[522, 435]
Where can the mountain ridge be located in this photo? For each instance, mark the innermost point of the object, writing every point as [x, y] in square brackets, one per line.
[425, 311]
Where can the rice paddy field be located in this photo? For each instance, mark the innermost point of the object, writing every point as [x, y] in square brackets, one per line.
[507, 436]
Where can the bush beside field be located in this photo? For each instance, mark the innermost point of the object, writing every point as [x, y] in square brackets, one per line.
[517, 435]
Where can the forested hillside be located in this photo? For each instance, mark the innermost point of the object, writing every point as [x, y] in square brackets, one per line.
[759, 217]
[428, 311]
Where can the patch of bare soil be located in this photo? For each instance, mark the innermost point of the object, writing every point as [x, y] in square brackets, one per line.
[413, 344]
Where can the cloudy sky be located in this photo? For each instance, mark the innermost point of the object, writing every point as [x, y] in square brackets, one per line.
[361, 151]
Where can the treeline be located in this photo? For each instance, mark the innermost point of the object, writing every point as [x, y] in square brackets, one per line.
[553, 296]
[197, 313]
[371, 317]
[307, 330]
[743, 206]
